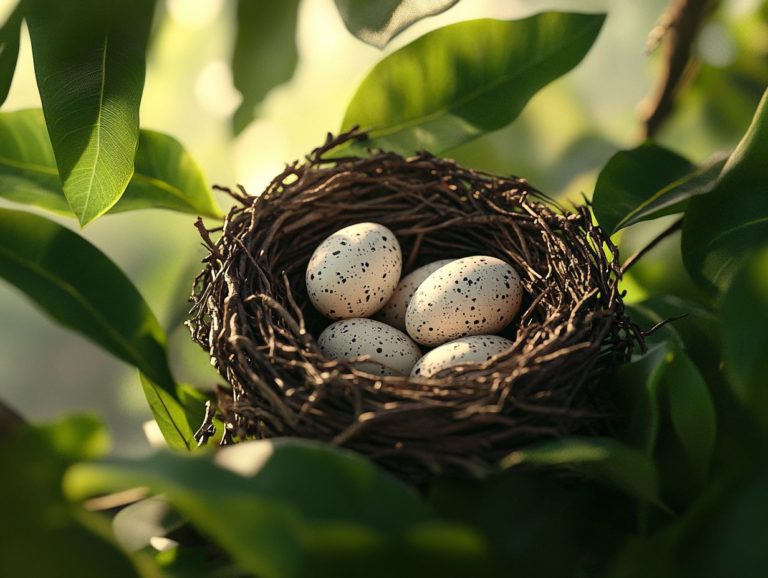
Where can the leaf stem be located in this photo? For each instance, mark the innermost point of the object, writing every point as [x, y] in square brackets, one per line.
[673, 228]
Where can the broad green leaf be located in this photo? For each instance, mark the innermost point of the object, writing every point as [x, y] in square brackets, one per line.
[44, 534]
[265, 53]
[691, 411]
[78, 286]
[744, 327]
[605, 460]
[90, 65]
[725, 533]
[649, 182]
[669, 412]
[637, 389]
[713, 247]
[459, 82]
[379, 22]
[9, 50]
[674, 197]
[165, 175]
[174, 410]
[294, 508]
[695, 329]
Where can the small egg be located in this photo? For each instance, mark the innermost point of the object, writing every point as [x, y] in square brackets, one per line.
[472, 349]
[391, 351]
[471, 296]
[394, 311]
[354, 272]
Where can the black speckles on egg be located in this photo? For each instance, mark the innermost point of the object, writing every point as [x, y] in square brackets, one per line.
[465, 297]
[393, 312]
[472, 349]
[347, 277]
[391, 351]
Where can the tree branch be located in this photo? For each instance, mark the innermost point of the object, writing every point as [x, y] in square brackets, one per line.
[676, 31]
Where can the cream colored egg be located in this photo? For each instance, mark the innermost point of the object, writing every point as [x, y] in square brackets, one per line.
[471, 296]
[472, 349]
[391, 351]
[394, 311]
[354, 272]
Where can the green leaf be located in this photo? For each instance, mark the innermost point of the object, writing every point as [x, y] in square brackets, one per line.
[379, 22]
[533, 520]
[691, 411]
[78, 286]
[174, 411]
[47, 535]
[674, 197]
[459, 82]
[744, 327]
[649, 182]
[713, 248]
[165, 175]
[605, 460]
[90, 65]
[725, 534]
[9, 50]
[694, 327]
[669, 412]
[294, 508]
[637, 389]
[265, 53]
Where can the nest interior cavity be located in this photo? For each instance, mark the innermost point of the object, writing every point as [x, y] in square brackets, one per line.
[252, 314]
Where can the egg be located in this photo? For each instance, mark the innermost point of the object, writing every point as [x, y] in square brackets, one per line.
[354, 272]
[391, 351]
[471, 296]
[472, 349]
[394, 311]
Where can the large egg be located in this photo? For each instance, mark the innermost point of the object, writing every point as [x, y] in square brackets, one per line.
[471, 296]
[394, 311]
[391, 351]
[472, 349]
[354, 272]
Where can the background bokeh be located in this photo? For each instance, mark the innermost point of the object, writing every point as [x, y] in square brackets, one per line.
[563, 137]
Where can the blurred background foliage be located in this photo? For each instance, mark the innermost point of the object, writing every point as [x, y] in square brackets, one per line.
[566, 133]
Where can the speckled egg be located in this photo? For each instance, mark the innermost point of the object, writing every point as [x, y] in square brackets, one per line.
[394, 311]
[472, 349]
[391, 351]
[354, 272]
[471, 296]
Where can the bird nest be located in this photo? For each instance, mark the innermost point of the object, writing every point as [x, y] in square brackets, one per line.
[251, 313]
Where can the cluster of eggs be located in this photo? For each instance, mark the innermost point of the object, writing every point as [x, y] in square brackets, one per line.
[453, 305]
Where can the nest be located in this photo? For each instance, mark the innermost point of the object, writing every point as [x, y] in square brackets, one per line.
[252, 314]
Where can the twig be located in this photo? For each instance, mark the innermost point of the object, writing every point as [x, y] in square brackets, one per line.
[676, 31]
[674, 227]
[660, 324]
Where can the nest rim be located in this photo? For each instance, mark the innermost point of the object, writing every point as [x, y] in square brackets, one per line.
[252, 315]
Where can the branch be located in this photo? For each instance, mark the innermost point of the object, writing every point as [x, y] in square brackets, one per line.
[674, 227]
[676, 31]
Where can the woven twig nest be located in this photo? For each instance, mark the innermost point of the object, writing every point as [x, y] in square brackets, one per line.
[252, 314]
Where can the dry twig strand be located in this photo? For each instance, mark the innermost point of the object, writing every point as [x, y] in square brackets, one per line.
[252, 314]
